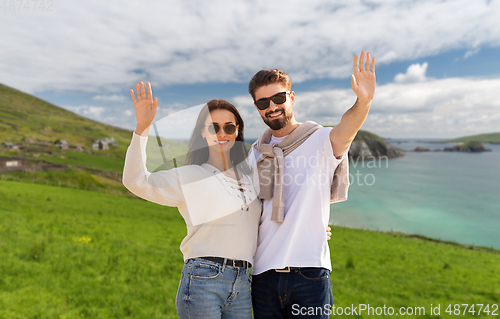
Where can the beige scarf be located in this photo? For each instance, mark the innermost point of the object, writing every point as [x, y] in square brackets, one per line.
[270, 166]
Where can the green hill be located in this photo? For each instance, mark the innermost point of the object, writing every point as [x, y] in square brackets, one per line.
[69, 253]
[483, 138]
[26, 120]
[33, 125]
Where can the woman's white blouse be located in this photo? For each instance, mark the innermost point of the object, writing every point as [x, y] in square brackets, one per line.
[221, 214]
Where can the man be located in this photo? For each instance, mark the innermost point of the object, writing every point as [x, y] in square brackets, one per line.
[295, 165]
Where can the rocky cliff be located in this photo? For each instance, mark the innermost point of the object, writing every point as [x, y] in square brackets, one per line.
[369, 145]
[469, 147]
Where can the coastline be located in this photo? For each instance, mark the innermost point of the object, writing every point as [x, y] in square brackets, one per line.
[423, 237]
[445, 196]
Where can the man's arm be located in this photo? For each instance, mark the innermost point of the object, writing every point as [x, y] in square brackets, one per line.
[363, 84]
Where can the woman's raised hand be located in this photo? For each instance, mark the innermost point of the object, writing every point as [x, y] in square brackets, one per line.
[145, 107]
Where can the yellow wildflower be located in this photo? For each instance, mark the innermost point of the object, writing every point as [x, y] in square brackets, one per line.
[82, 240]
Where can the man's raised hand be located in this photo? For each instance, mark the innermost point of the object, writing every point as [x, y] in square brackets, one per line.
[145, 107]
[363, 79]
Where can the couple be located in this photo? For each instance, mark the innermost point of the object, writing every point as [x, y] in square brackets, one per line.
[285, 200]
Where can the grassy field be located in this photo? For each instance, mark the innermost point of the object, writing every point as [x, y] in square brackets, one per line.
[103, 162]
[383, 269]
[71, 253]
[71, 178]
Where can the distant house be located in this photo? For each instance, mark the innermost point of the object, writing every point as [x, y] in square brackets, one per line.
[11, 146]
[80, 148]
[100, 145]
[103, 144]
[111, 141]
[62, 144]
[8, 164]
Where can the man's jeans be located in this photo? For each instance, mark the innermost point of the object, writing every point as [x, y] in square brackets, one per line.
[301, 293]
[210, 290]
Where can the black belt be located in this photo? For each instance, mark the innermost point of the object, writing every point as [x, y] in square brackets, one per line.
[229, 262]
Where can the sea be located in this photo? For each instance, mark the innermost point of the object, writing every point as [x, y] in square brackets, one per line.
[450, 196]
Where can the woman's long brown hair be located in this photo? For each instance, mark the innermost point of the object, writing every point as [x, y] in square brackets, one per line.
[198, 146]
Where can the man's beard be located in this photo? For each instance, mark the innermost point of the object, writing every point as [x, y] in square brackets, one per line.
[279, 123]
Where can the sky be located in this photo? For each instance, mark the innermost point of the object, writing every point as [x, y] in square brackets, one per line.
[437, 62]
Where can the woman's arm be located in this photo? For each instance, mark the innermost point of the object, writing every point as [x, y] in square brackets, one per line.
[160, 187]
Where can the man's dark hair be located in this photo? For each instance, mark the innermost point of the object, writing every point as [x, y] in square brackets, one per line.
[266, 77]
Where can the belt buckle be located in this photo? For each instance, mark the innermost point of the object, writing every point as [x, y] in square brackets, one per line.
[234, 264]
[284, 270]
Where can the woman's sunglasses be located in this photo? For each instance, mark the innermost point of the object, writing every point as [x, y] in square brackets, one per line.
[214, 128]
[278, 98]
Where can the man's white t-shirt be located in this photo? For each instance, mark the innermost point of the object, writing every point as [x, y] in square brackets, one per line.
[300, 241]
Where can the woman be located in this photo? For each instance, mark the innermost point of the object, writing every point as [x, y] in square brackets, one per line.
[215, 197]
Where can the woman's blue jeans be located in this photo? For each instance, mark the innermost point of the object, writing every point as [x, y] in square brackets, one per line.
[211, 290]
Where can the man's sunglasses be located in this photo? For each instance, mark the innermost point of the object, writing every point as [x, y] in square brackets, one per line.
[214, 128]
[278, 98]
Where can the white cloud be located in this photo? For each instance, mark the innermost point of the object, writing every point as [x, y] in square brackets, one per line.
[414, 73]
[90, 111]
[101, 47]
[111, 98]
[471, 52]
[97, 49]
[436, 108]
